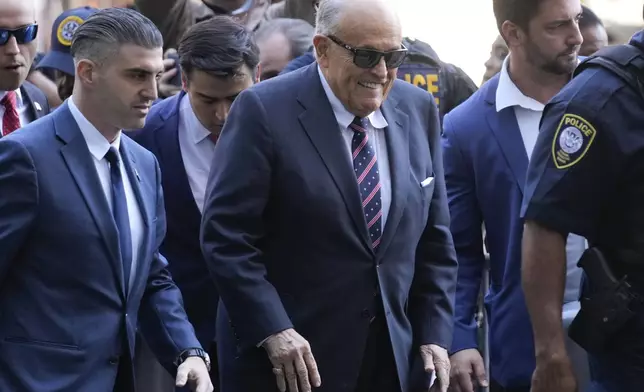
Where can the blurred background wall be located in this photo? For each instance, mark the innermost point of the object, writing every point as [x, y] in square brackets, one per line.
[461, 31]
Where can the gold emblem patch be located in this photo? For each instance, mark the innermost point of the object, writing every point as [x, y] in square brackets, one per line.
[572, 140]
[67, 28]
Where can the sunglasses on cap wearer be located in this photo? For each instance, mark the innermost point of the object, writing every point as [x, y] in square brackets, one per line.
[24, 35]
[369, 58]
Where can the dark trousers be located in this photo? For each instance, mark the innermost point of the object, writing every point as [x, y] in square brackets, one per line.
[378, 371]
[495, 387]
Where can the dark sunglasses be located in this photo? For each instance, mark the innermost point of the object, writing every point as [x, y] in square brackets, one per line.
[24, 35]
[369, 58]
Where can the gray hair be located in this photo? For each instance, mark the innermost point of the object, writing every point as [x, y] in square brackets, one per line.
[329, 15]
[298, 33]
[102, 34]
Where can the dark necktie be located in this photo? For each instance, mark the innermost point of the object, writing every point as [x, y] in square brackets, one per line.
[365, 164]
[119, 210]
[11, 118]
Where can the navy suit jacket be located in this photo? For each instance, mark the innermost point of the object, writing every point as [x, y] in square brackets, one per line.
[285, 236]
[485, 171]
[181, 244]
[65, 316]
[39, 106]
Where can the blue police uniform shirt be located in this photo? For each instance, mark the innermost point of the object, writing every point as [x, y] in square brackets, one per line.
[586, 159]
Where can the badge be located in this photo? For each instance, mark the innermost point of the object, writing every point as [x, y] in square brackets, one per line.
[572, 140]
[67, 28]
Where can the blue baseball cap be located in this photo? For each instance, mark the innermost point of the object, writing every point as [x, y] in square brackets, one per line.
[62, 33]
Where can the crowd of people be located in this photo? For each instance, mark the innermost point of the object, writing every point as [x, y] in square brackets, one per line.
[252, 196]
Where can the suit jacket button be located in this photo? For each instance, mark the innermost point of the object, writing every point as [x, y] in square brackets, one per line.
[114, 360]
[365, 313]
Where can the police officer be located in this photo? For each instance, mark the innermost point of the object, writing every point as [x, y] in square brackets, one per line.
[586, 176]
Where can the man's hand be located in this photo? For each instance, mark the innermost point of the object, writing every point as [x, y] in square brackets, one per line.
[435, 359]
[166, 89]
[553, 374]
[468, 371]
[193, 371]
[292, 361]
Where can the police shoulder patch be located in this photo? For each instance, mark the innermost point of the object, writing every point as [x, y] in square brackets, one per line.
[572, 140]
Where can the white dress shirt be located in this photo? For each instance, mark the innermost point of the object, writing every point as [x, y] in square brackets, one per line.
[197, 151]
[98, 147]
[23, 108]
[528, 113]
[375, 133]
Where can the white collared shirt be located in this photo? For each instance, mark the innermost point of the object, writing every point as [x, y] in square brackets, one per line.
[528, 112]
[197, 151]
[98, 147]
[22, 106]
[375, 133]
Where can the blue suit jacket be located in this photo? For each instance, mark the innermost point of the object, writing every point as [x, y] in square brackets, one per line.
[65, 314]
[485, 171]
[181, 244]
[285, 236]
[39, 106]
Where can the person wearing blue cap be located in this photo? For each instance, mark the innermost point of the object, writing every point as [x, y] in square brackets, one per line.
[59, 58]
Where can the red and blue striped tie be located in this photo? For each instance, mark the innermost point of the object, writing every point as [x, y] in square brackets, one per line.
[365, 164]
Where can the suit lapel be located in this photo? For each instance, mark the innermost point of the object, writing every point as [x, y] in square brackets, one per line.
[506, 130]
[35, 108]
[397, 136]
[129, 161]
[321, 127]
[82, 168]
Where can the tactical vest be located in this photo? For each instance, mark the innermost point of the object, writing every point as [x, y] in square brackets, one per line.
[627, 257]
[422, 68]
[625, 61]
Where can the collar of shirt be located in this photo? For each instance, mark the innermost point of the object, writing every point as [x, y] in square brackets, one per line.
[342, 115]
[197, 132]
[96, 142]
[508, 94]
[18, 92]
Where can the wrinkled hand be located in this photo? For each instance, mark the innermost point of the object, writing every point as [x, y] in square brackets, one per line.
[292, 361]
[554, 374]
[435, 359]
[468, 371]
[193, 371]
[167, 89]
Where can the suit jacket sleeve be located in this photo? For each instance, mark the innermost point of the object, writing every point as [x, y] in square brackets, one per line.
[19, 201]
[162, 319]
[466, 227]
[431, 305]
[233, 225]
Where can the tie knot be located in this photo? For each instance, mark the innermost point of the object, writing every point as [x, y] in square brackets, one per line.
[359, 124]
[9, 99]
[112, 156]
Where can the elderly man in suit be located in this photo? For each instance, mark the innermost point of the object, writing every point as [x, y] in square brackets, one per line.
[81, 221]
[20, 101]
[326, 224]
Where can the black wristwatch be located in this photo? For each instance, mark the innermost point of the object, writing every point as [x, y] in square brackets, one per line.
[193, 352]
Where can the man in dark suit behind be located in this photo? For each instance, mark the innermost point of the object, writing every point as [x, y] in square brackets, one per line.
[218, 59]
[20, 101]
[81, 221]
[326, 224]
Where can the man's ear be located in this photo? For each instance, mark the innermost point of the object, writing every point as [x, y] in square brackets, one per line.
[321, 47]
[86, 72]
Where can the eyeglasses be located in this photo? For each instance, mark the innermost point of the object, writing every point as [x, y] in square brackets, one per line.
[24, 35]
[369, 58]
